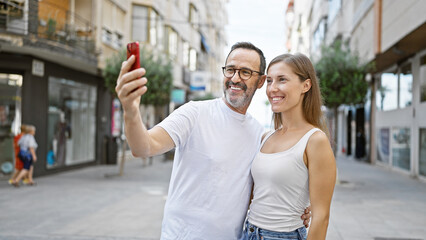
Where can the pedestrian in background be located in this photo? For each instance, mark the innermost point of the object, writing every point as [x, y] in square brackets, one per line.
[295, 166]
[18, 162]
[215, 140]
[27, 154]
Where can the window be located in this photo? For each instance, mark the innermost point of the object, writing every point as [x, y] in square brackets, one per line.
[193, 15]
[161, 42]
[147, 26]
[422, 147]
[71, 122]
[405, 86]
[172, 43]
[423, 79]
[395, 89]
[383, 145]
[319, 34]
[153, 23]
[185, 54]
[401, 148]
[140, 23]
[113, 18]
[118, 40]
[387, 91]
[107, 36]
[192, 59]
[333, 8]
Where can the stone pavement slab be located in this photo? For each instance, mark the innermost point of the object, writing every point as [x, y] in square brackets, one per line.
[374, 202]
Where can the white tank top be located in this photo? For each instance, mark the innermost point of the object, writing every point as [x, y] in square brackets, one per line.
[281, 187]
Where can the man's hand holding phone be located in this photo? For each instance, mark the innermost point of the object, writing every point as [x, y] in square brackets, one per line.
[131, 83]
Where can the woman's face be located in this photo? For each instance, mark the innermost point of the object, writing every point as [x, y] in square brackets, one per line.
[284, 88]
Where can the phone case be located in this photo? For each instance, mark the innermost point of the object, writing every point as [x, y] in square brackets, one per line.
[133, 49]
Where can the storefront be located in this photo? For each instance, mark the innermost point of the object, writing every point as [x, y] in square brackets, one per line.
[70, 109]
[401, 116]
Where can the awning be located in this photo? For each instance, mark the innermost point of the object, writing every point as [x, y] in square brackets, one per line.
[404, 48]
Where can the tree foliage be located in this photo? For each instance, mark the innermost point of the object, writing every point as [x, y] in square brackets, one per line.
[342, 76]
[158, 73]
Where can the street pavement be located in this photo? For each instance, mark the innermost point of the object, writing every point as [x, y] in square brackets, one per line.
[94, 203]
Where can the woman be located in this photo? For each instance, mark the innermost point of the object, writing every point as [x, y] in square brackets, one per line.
[295, 166]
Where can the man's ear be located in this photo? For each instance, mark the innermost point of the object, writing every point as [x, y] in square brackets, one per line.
[261, 81]
[307, 84]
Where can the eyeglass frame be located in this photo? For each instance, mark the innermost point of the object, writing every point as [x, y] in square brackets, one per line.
[239, 72]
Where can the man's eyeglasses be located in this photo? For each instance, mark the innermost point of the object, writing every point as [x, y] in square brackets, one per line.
[244, 73]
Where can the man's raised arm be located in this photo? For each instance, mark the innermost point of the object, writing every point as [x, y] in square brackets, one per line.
[130, 87]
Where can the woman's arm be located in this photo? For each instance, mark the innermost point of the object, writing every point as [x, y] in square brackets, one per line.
[322, 178]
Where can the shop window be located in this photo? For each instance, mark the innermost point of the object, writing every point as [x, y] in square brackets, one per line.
[10, 119]
[423, 79]
[387, 91]
[383, 145]
[401, 148]
[71, 123]
[422, 147]
[405, 86]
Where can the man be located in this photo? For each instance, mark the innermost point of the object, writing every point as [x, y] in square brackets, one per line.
[215, 143]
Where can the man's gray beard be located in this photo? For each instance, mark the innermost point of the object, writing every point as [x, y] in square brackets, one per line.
[239, 102]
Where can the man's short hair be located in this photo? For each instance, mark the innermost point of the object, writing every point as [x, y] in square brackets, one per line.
[248, 45]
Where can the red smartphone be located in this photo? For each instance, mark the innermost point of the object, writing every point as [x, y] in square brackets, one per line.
[133, 49]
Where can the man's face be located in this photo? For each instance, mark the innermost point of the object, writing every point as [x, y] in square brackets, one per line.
[239, 92]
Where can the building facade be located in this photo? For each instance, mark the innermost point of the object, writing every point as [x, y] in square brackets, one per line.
[52, 53]
[49, 78]
[391, 34]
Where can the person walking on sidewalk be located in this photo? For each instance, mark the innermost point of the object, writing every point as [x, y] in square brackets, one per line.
[27, 154]
[18, 162]
[295, 166]
[215, 140]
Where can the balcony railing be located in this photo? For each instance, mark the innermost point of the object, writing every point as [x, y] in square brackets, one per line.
[13, 17]
[56, 25]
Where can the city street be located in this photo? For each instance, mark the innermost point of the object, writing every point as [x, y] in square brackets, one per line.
[91, 203]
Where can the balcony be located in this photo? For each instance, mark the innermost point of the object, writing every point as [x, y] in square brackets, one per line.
[49, 25]
[58, 24]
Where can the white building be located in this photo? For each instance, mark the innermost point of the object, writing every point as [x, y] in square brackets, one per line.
[391, 34]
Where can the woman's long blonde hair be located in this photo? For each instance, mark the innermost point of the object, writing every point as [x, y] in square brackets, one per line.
[312, 101]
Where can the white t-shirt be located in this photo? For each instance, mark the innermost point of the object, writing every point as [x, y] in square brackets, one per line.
[26, 142]
[210, 184]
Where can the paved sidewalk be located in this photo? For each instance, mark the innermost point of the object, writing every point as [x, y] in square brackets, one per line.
[86, 205]
[372, 204]
[376, 203]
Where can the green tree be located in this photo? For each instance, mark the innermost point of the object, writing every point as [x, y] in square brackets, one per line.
[341, 77]
[158, 73]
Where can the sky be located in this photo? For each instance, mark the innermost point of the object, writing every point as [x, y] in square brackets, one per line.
[260, 22]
